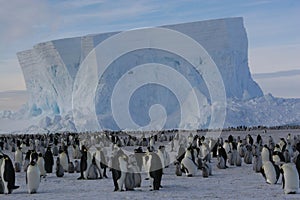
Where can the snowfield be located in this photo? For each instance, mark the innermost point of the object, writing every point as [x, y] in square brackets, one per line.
[231, 183]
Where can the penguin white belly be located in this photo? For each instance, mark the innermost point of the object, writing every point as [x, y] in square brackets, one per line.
[291, 180]
[265, 155]
[161, 156]
[33, 178]
[41, 164]
[270, 172]
[123, 169]
[64, 161]
[89, 162]
[190, 166]
[18, 157]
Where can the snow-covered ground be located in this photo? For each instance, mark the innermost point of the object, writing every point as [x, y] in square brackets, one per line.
[232, 183]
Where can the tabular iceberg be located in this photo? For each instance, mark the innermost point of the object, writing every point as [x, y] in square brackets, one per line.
[50, 70]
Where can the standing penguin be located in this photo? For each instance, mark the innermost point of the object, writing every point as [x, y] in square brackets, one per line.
[49, 160]
[83, 162]
[41, 164]
[33, 174]
[155, 170]
[94, 171]
[64, 160]
[270, 172]
[222, 153]
[7, 174]
[59, 169]
[18, 160]
[117, 174]
[257, 163]
[290, 180]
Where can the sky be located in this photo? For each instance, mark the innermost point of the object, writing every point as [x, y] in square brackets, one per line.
[272, 26]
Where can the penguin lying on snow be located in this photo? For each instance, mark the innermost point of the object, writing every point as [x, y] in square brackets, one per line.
[7, 174]
[188, 163]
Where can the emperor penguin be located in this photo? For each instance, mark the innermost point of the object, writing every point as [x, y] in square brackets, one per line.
[7, 174]
[59, 169]
[188, 162]
[49, 160]
[33, 174]
[118, 155]
[94, 171]
[18, 159]
[155, 170]
[270, 172]
[290, 180]
[248, 155]
[41, 164]
[64, 160]
[134, 169]
[85, 162]
[266, 154]
[222, 153]
[257, 163]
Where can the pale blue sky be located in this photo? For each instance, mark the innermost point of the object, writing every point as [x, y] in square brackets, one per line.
[273, 29]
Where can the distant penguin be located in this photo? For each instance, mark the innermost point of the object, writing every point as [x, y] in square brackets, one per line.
[18, 160]
[83, 162]
[178, 170]
[221, 163]
[64, 161]
[123, 170]
[94, 171]
[206, 170]
[188, 163]
[238, 161]
[26, 160]
[248, 155]
[155, 170]
[134, 169]
[7, 174]
[270, 172]
[71, 168]
[77, 166]
[257, 163]
[222, 153]
[115, 167]
[59, 168]
[41, 165]
[290, 180]
[33, 175]
[49, 160]
[287, 156]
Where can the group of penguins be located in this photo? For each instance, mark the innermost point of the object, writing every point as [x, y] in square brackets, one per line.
[87, 154]
[93, 154]
[271, 159]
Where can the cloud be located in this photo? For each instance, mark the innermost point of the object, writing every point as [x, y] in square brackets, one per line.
[274, 58]
[279, 74]
[13, 100]
[20, 19]
[285, 86]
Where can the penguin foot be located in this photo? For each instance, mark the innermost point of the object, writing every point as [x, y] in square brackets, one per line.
[15, 187]
[105, 176]
[80, 178]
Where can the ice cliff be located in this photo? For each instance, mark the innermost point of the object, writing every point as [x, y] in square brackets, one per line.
[50, 69]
